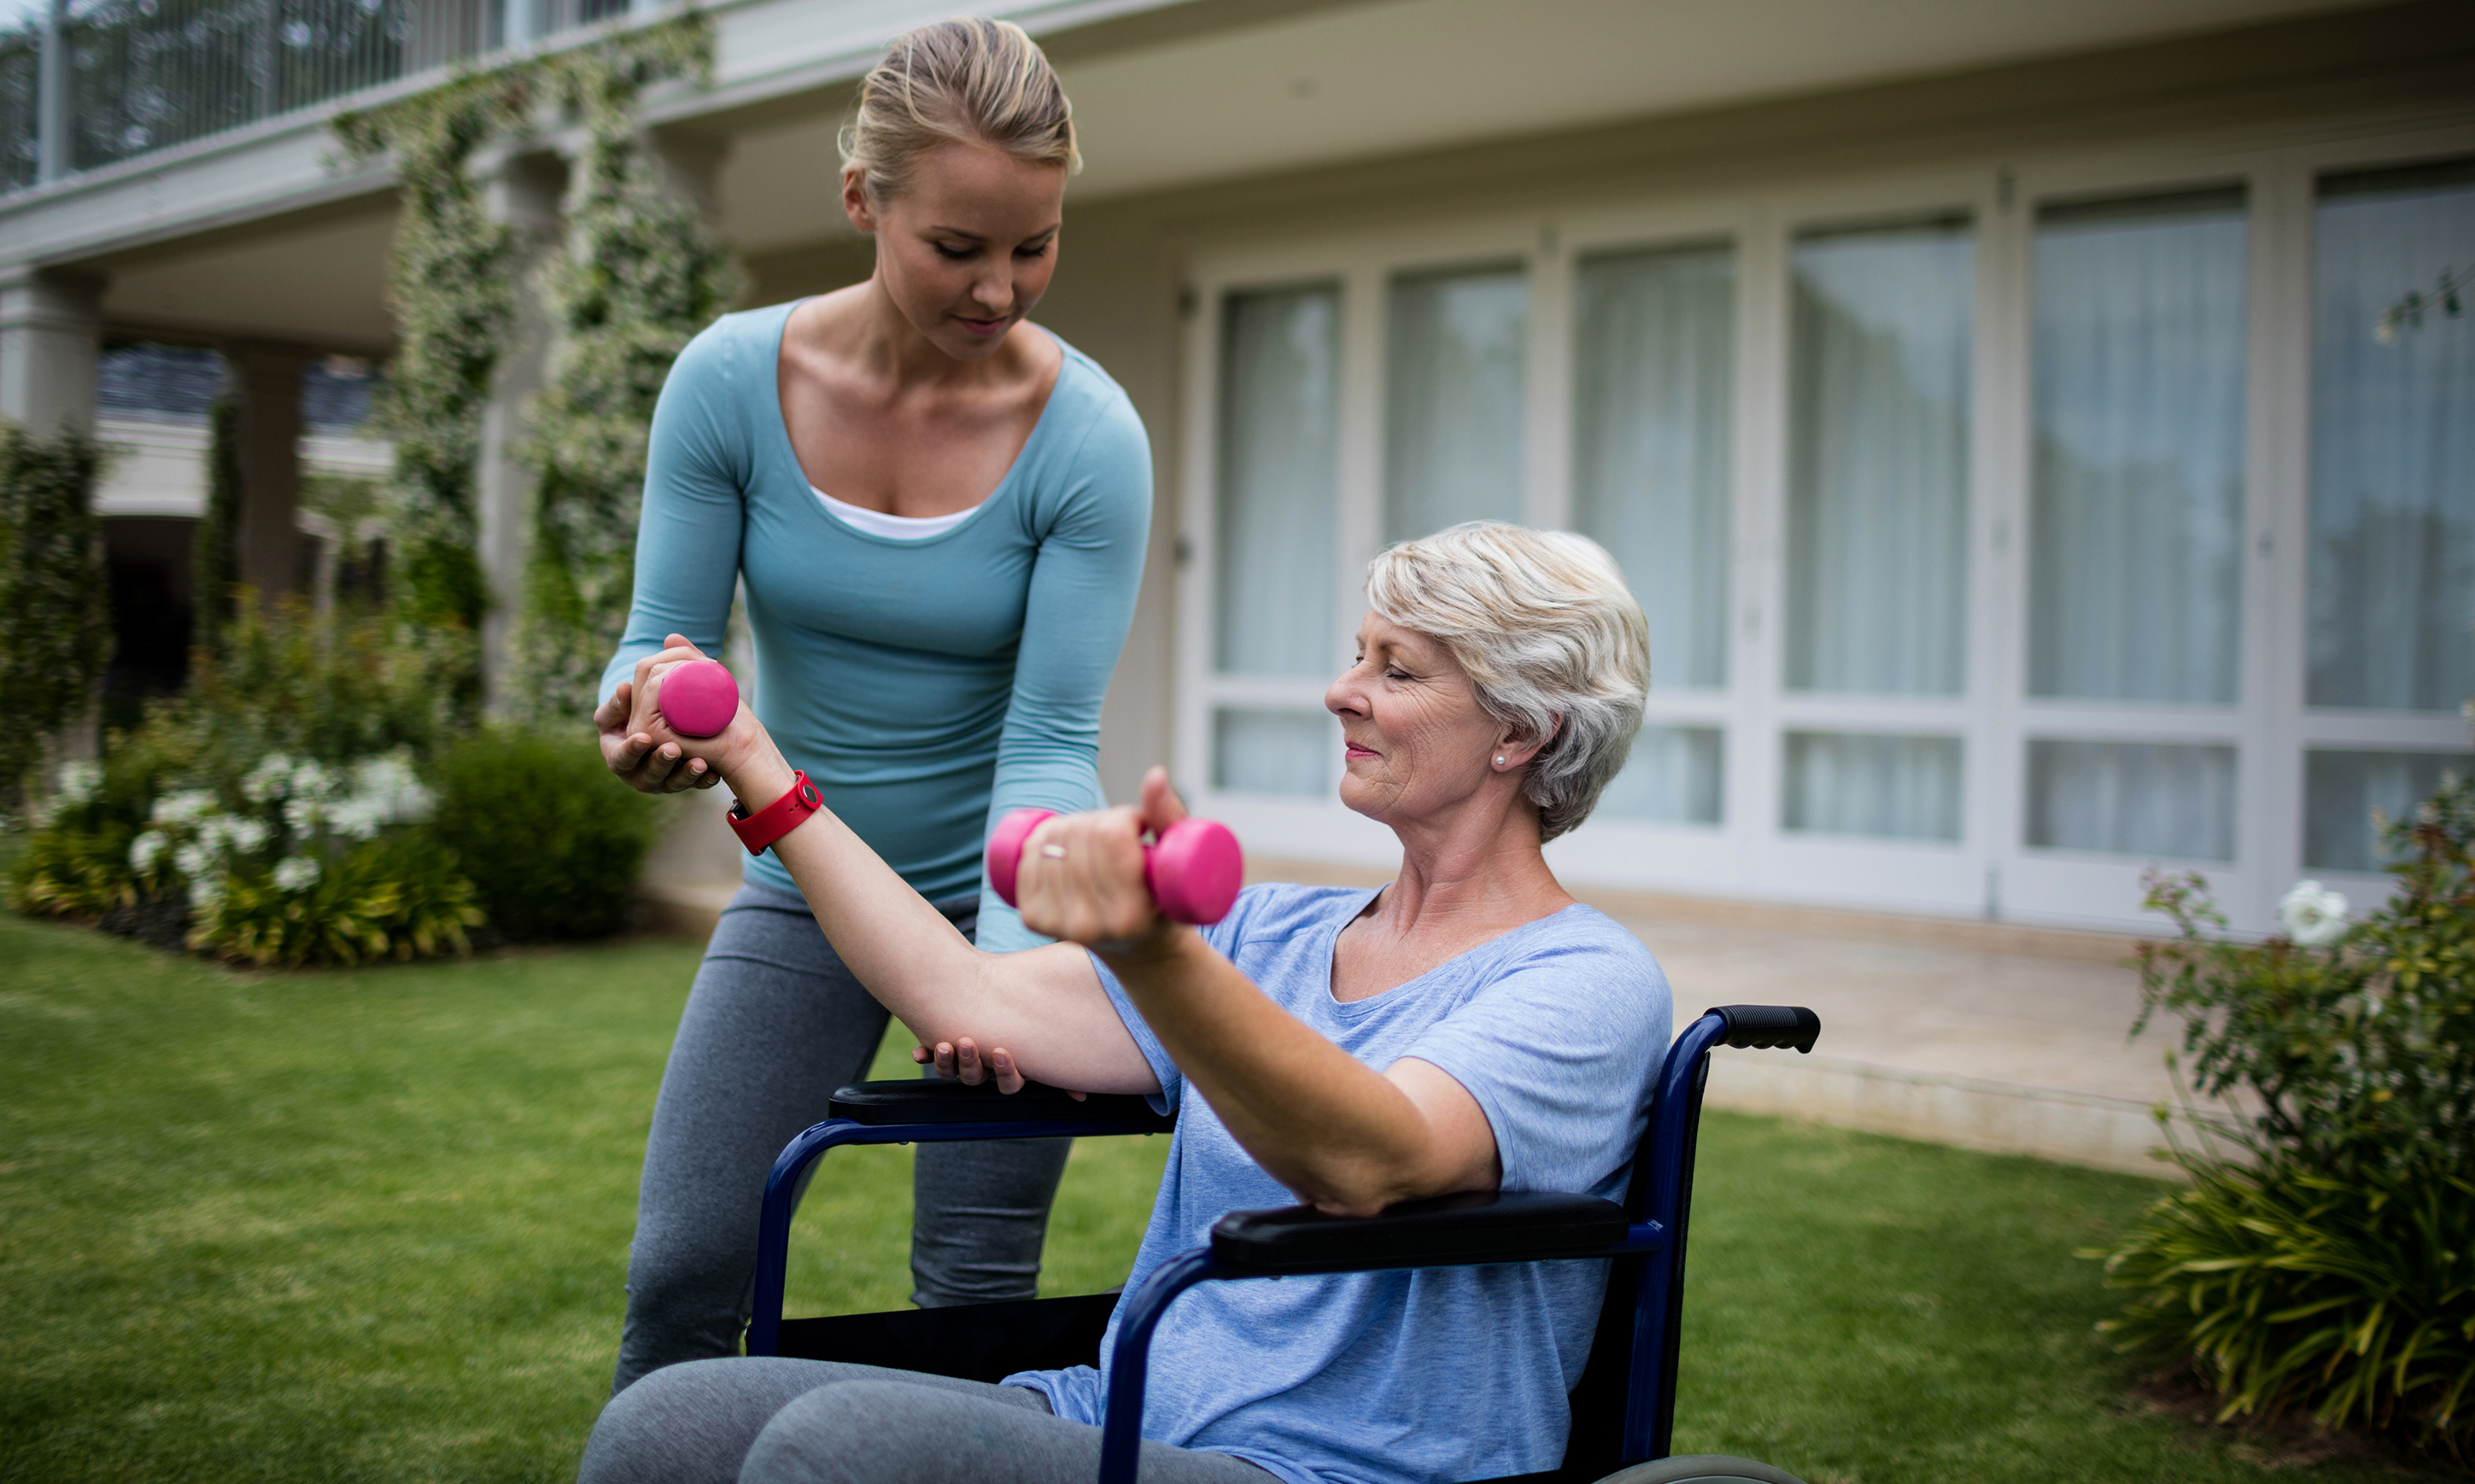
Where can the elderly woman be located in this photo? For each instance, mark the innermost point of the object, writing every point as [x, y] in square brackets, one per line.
[1467, 1026]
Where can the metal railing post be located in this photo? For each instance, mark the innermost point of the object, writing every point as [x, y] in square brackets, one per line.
[52, 95]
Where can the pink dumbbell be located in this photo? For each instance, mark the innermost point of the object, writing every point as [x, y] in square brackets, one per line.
[699, 699]
[1193, 869]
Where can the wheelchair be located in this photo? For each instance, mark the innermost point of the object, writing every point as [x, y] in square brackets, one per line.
[1623, 1409]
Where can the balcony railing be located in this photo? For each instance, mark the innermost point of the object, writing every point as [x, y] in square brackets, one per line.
[97, 82]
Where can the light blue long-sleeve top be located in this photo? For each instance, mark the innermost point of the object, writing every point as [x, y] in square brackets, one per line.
[927, 684]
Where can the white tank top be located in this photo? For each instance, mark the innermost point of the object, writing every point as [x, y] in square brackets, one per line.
[898, 527]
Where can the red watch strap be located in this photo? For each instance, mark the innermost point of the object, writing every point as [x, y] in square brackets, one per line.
[760, 830]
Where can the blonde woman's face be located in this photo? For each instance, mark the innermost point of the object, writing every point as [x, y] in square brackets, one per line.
[1414, 738]
[967, 247]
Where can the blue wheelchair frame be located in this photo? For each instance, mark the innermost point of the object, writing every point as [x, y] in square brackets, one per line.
[1623, 1409]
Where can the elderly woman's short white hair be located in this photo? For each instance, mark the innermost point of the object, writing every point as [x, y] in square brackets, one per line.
[1551, 637]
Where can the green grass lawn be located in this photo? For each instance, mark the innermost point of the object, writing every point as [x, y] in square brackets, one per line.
[374, 1224]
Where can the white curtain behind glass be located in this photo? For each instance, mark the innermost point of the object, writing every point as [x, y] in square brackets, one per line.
[1266, 751]
[2344, 790]
[1279, 470]
[2136, 533]
[1851, 783]
[1877, 494]
[1654, 339]
[2392, 447]
[2132, 798]
[1674, 776]
[1453, 404]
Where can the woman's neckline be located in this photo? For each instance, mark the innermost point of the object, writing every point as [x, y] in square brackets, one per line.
[789, 452]
[1331, 949]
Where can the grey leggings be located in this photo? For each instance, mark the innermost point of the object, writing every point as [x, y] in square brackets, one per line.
[764, 1421]
[774, 1025]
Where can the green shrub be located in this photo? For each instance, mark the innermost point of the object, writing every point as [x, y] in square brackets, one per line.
[399, 896]
[273, 815]
[553, 842]
[2323, 1257]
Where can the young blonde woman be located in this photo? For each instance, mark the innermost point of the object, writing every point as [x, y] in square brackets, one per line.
[938, 513]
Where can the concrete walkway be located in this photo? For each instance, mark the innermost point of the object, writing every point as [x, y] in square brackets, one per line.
[1980, 1035]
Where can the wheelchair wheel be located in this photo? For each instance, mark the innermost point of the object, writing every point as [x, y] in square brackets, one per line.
[1701, 1468]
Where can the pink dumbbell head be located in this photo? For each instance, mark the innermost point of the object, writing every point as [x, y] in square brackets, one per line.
[699, 699]
[1193, 869]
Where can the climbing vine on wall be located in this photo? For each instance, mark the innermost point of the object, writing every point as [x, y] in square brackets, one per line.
[453, 291]
[640, 275]
[453, 298]
[54, 603]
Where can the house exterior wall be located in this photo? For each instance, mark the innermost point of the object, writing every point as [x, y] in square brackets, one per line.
[1994, 146]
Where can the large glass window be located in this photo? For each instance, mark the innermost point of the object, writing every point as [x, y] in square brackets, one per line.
[1266, 750]
[1280, 471]
[1855, 782]
[1454, 400]
[1878, 482]
[1654, 337]
[2136, 533]
[2392, 527]
[1673, 777]
[2132, 798]
[2347, 793]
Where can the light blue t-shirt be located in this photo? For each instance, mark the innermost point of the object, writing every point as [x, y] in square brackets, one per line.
[1557, 1029]
[927, 684]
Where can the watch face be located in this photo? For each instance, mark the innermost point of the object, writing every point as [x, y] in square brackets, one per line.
[808, 794]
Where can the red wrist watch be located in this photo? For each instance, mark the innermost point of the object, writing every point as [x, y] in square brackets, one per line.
[760, 830]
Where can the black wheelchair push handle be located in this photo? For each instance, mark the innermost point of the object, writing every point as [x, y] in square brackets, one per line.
[1768, 1026]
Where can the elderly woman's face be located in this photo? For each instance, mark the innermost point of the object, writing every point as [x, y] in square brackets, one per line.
[1416, 738]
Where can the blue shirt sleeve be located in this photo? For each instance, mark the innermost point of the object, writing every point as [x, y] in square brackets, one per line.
[1565, 1108]
[1082, 599]
[688, 529]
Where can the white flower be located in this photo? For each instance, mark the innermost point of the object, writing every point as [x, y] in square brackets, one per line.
[182, 807]
[302, 815]
[191, 861]
[310, 779]
[206, 893]
[145, 850]
[389, 785]
[269, 780]
[244, 834]
[2313, 916]
[78, 782]
[295, 873]
[357, 818]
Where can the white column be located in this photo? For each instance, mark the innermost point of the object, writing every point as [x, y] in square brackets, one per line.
[51, 333]
[522, 190]
[266, 530]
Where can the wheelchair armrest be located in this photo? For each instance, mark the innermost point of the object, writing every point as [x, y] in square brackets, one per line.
[1448, 1231]
[1769, 1027]
[920, 1100]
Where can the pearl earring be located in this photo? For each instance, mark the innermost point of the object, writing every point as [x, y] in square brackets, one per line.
[1499, 762]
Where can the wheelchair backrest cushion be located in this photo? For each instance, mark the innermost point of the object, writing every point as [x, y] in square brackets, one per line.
[1557, 1030]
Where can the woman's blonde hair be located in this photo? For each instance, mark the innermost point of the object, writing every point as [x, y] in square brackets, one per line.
[1552, 639]
[970, 81]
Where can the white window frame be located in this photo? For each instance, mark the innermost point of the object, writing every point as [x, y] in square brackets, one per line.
[1990, 871]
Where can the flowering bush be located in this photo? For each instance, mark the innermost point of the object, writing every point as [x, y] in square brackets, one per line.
[272, 816]
[2323, 1257]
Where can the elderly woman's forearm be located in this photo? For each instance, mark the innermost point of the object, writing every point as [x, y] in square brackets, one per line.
[1342, 1135]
